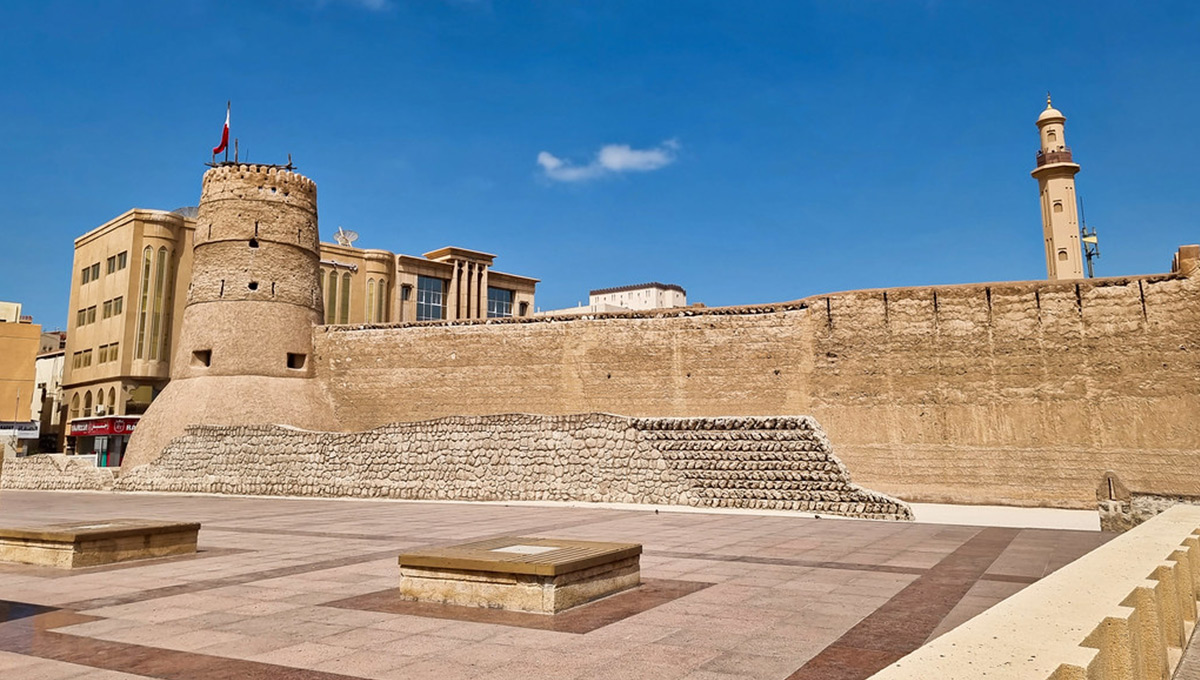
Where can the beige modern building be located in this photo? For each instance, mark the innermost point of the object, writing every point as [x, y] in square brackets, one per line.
[47, 407]
[376, 286]
[1055, 174]
[122, 320]
[130, 284]
[18, 350]
[641, 296]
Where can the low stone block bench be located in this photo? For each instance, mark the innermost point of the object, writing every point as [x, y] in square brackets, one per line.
[542, 575]
[89, 544]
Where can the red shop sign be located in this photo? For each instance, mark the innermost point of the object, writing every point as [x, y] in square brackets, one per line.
[100, 426]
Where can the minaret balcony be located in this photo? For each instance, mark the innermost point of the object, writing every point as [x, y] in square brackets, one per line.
[1063, 155]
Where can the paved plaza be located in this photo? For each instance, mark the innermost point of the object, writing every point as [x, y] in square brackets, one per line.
[305, 590]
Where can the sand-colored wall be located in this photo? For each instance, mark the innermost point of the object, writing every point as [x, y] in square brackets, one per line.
[1015, 393]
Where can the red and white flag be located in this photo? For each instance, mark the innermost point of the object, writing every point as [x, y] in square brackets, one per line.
[224, 134]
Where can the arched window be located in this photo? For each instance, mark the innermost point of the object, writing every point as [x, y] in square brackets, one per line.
[370, 300]
[87, 404]
[344, 307]
[164, 340]
[1051, 136]
[143, 305]
[112, 400]
[331, 300]
[160, 272]
[75, 406]
[1058, 206]
[382, 300]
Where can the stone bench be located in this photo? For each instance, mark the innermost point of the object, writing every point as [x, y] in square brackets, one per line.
[88, 544]
[542, 575]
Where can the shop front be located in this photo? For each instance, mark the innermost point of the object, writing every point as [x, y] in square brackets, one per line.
[104, 437]
[18, 435]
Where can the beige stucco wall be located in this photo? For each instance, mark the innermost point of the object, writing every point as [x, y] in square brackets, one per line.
[18, 352]
[1013, 393]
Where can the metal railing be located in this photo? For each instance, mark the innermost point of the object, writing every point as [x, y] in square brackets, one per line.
[1061, 156]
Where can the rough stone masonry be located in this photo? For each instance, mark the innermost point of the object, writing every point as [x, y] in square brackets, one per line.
[780, 463]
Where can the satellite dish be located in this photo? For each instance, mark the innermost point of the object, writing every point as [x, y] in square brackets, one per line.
[345, 237]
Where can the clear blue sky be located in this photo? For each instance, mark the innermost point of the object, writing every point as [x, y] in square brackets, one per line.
[749, 152]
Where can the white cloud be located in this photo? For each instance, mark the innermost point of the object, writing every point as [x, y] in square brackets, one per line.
[610, 159]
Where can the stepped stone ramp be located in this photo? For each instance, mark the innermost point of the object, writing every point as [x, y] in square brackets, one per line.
[782, 463]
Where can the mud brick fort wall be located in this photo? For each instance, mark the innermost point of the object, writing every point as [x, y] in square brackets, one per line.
[1015, 393]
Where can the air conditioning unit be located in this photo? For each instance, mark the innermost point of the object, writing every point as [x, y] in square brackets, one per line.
[101, 409]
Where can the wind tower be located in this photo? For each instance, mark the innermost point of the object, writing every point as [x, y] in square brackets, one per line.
[245, 348]
[1055, 173]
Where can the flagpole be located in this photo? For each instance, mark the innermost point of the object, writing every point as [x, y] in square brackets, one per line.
[228, 107]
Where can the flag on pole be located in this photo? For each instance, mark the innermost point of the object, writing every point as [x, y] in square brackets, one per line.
[224, 134]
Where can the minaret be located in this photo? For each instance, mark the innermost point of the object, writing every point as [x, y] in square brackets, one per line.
[1055, 173]
[245, 344]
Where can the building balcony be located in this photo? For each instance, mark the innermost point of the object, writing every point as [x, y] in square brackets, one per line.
[1061, 156]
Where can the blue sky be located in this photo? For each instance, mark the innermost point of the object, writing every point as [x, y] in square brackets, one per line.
[750, 152]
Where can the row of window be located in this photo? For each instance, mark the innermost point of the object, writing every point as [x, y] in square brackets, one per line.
[102, 406]
[85, 316]
[431, 300]
[81, 359]
[335, 291]
[114, 263]
[108, 353]
[111, 307]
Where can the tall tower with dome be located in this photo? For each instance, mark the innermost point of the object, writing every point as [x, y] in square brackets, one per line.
[1055, 174]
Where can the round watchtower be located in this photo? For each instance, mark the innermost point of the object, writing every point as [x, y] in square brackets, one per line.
[244, 353]
[255, 290]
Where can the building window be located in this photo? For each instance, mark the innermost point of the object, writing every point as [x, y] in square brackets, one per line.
[144, 304]
[75, 404]
[87, 358]
[344, 309]
[500, 303]
[87, 404]
[156, 319]
[431, 298]
[370, 300]
[107, 308]
[1051, 136]
[95, 271]
[77, 361]
[112, 398]
[381, 305]
[91, 314]
[331, 298]
[122, 260]
[110, 265]
[1058, 206]
[81, 317]
[118, 305]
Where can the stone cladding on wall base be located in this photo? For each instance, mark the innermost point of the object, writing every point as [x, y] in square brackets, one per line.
[778, 463]
[55, 472]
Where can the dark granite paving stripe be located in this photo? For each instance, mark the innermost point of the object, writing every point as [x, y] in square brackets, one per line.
[236, 580]
[33, 637]
[905, 621]
[11, 611]
[582, 619]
